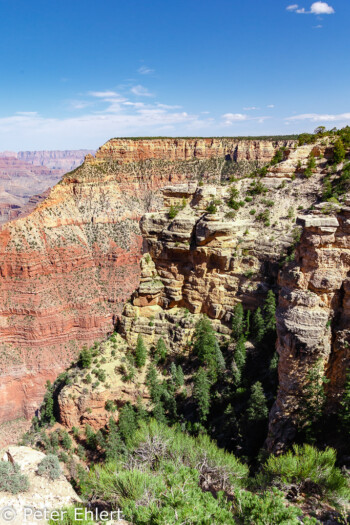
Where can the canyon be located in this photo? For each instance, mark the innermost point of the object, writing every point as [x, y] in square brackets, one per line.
[67, 267]
[26, 175]
[205, 263]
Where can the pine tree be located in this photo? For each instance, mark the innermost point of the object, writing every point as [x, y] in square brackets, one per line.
[169, 399]
[153, 383]
[127, 422]
[240, 354]
[257, 407]
[220, 360]
[237, 321]
[159, 413]
[201, 393]
[258, 328]
[161, 351]
[338, 151]
[236, 374]
[140, 352]
[206, 346]
[114, 446]
[344, 412]
[270, 312]
[180, 378]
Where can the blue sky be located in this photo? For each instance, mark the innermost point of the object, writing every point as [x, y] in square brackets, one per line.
[76, 73]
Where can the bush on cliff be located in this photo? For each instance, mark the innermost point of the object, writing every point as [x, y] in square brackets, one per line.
[85, 358]
[11, 479]
[311, 469]
[49, 467]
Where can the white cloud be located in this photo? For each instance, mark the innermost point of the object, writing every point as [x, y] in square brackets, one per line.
[27, 113]
[321, 8]
[251, 108]
[230, 118]
[270, 106]
[317, 8]
[141, 91]
[103, 94]
[319, 26]
[144, 70]
[233, 117]
[315, 117]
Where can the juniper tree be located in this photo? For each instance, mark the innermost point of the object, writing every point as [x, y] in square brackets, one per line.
[201, 393]
[140, 352]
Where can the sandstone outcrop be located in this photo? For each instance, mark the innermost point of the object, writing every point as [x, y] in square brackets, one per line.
[313, 317]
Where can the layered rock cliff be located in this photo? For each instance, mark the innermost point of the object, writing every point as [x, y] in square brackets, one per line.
[313, 318]
[67, 268]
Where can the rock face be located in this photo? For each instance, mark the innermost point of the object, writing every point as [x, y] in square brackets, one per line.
[313, 317]
[67, 268]
[43, 493]
[170, 149]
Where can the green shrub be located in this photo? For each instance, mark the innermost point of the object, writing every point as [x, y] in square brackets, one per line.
[307, 463]
[173, 211]
[268, 508]
[211, 208]
[110, 406]
[85, 358]
[49, 467]
[11, 479]
[164, 479]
